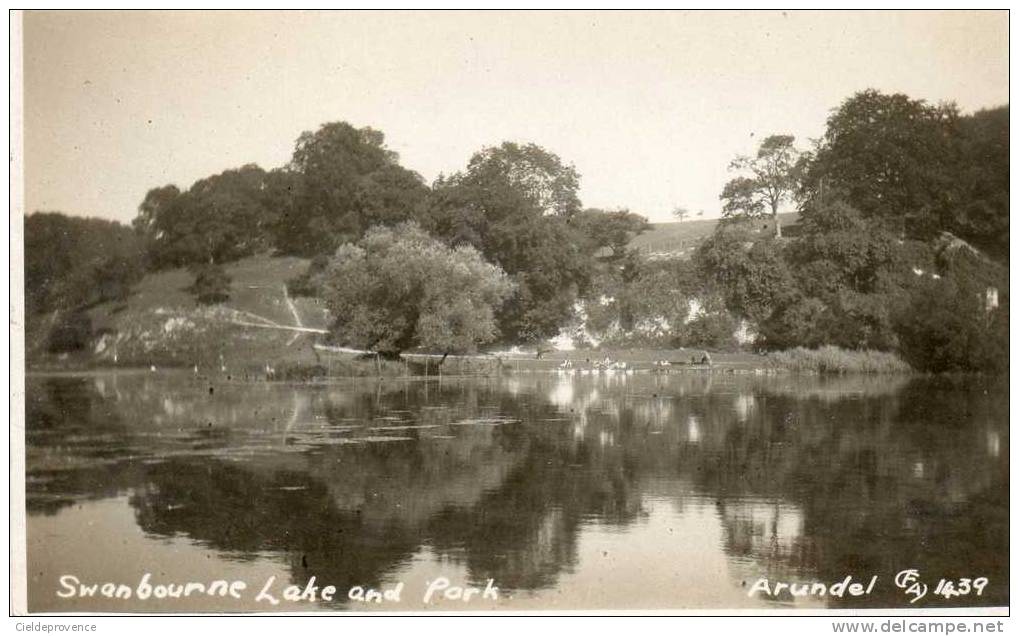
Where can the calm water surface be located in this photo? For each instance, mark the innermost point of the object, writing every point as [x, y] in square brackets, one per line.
[593, 492]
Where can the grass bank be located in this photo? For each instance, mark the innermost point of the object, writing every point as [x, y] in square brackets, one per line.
[835, 360]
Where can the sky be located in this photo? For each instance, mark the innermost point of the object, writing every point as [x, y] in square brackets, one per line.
[649, 107]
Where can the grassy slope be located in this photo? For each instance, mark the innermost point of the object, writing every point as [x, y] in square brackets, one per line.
[256, 287]
[161, 324]
[680, 238]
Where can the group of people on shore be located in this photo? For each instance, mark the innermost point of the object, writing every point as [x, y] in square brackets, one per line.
[598, 366]
[609, 365]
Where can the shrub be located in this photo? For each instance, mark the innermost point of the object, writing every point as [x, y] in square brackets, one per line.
[861, 321]
[714, 330]
[305, 284]
[298, 372]
[945, 328]
[72, 333]
[212, 284]
[400, 288]
[800, 322]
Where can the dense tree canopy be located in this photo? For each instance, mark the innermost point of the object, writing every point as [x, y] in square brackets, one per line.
[904, 214]
[340, 181]
[399, 288]
[944, 325]
[849, 281]
[839, 250]
[343, 180]
[848, 274]
[892, 158]
[72, 262]
[550, 185]
[982, 218]
[891, 180]
[515, 205]
[218, 219]
[747, 267]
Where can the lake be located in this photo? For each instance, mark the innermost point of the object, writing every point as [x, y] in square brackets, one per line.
[637, 492]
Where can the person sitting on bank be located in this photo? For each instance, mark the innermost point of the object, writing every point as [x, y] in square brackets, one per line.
[706, 359]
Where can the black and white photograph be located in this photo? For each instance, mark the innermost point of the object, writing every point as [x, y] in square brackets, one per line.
[511, 312]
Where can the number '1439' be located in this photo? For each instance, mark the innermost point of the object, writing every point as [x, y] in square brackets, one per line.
[949, 588]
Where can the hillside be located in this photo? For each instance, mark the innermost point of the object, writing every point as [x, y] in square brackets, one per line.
[680, 238]
[160, 324]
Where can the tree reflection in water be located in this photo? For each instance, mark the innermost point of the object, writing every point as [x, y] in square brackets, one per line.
[812, 479]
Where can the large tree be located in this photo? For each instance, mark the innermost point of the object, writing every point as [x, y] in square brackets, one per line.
[516, 204]
[748, 269]
[343, 180]
[839, 250]
[983, 217]
[893, 158]
[850, 273]
[550, 185]
[766, 180]
[71, 264]
[218, 219]
[399, 288]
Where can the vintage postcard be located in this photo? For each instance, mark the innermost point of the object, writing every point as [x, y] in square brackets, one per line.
[692, 312]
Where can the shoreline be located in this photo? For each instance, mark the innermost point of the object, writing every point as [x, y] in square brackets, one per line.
[577, 373]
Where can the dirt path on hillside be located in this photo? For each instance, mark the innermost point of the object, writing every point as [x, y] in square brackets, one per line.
[296, 314]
